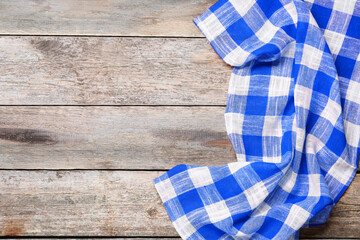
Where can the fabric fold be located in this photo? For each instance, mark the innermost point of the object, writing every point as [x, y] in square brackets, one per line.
[292, 115]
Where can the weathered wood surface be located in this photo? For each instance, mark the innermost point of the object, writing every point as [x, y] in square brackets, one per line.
[112, 71]
[98, 137]
[114, 203]
[110, 17]
[154, 238]
[119, 68]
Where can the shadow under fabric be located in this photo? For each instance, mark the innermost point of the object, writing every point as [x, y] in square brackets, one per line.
[292, 116]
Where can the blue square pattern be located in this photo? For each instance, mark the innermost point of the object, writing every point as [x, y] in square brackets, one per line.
[256, 128]
[238, 104]
[356, 11]
[349, 48]
[253, 145]
[218, 5]
[345, 66]
[280, 105]
[225, 192]
[261, 68]
[256, 105]
[354, 27]
[337, 142]
[323, 83]
[210, 231]
[270, 227]
[323, 15]
[259, 85]
[269, 7]
[190, 201]
[289, 137]
[227, 15]
[240, 31]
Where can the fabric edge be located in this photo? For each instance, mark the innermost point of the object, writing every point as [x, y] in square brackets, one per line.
[203, 29]
[169, 210]
[336, 199]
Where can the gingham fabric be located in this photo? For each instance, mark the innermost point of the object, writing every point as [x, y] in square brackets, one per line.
[292, 115]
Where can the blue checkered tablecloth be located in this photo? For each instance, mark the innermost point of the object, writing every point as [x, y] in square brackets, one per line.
[292, 115]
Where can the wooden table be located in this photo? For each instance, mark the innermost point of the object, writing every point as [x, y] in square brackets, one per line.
[97, 99]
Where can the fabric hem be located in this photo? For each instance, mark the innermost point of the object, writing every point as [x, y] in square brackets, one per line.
[169, 210]
[203, 30]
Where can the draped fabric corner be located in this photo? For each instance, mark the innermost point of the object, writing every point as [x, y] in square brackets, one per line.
[292, 115]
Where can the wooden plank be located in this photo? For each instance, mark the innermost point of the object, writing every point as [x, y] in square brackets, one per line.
[110, 17]
[159, 238]
[111, 71]
[73, 137]
[114, 203]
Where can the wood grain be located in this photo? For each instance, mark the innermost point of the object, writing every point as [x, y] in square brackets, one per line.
[94, 137]
[114, 203]
[108, 17]
[111, 71]
[155, 238]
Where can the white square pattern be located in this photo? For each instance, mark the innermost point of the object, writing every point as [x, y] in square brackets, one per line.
[331, 111]
[334, 40]
[242, 6]
[239, 85]
[234, 122]
[256, 194]
[303, 98]
[272, 126]
[345, 6]
[218, 211]
[200, 176]
[266, 32]
[237, 57]
[165, 190]
[313, 144]
[289, 50]
[353, 92]
[300, 136]
[288, 181]
[261, 210]
[279, 86]
[352, 131]
[291, 9]
[235, 166]
[341, 171]
[275, 159]
[297, 216]
[211, 27]
[311, 57]
[184, 227]
[314, 185]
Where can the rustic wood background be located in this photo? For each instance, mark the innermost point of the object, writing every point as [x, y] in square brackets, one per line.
[99, 97]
